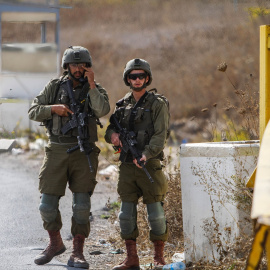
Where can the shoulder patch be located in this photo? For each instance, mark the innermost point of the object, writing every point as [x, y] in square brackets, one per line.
[162, 99]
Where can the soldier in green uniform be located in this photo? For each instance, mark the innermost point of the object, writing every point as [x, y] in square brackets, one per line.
[52, 107]
[147, 115]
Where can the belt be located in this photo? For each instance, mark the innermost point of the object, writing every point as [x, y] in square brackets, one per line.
[63, 139]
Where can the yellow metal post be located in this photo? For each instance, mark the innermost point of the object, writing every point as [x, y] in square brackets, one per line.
[262, 235]
[264, 77]
[264, 85]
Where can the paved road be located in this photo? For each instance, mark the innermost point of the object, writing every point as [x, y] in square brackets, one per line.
[22, 236]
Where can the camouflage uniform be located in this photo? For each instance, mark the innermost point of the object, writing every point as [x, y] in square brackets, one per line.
[60, 168]
[71, 156]
[150, 125]
[145, 116]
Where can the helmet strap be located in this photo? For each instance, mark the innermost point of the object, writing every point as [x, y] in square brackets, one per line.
[137, 89]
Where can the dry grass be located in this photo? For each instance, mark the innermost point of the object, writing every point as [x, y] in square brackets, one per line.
[183, 41]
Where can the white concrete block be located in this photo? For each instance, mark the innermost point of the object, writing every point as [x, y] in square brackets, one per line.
[6, 144]
[212, 175]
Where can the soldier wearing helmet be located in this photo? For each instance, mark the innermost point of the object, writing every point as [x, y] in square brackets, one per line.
[137, 64]
[52, 107]
[146, 114]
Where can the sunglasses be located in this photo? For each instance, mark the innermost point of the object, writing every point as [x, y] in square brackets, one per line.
[137, 75]
[73, 65]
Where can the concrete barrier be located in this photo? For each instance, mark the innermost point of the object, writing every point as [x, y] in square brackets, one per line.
[215, 213]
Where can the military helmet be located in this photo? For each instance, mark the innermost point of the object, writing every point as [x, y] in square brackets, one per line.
[76, 54]
[137, 64]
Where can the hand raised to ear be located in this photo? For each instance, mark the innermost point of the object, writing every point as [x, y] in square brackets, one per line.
[89, 73]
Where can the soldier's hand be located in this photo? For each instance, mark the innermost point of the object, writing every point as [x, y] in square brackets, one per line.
[115, 139]
[89, 73]
[61, 109]
[142, 159]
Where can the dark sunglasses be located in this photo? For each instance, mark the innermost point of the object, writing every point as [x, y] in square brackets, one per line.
[137, 75]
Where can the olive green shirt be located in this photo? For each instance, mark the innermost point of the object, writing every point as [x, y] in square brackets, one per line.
[40, 109]
[160, 117]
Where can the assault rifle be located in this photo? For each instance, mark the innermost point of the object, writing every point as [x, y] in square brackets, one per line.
[128, 140]
[79, 120]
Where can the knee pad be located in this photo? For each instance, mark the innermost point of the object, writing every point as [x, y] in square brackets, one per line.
[81, 207]
[128, 217]
[49, 207]
[156, 218]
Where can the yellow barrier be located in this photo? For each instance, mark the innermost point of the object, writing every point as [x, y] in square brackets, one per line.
[264, 85]
[264, 77]
[261, 198]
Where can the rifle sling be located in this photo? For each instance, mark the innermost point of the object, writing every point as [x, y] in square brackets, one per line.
[71, 95]
[134, 111]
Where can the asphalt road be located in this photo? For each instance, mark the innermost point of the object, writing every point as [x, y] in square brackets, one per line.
[22, 235]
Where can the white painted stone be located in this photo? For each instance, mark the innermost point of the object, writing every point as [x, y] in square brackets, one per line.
[212, 214]
[6, 144]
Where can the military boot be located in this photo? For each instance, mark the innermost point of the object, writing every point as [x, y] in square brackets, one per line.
[55, 247]
[132, 260]
[159, 257]
[77, 259]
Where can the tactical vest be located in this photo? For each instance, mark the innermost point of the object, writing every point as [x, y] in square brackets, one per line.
[142, 123]
[82, 97]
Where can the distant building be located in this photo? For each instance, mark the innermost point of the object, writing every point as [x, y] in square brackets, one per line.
[29, 55]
